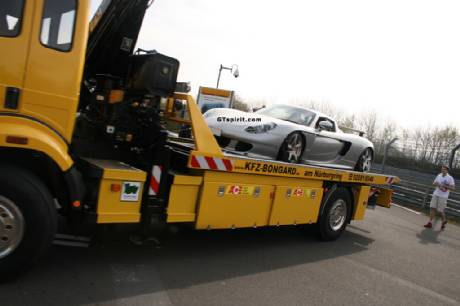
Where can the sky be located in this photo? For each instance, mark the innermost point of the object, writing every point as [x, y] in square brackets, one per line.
[398, 58]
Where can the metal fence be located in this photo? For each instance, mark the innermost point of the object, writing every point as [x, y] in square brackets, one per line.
[419, 196]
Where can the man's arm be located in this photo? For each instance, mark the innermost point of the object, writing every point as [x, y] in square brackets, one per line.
[451, 186]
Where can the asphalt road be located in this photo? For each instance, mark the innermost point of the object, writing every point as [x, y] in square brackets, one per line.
[387, 259]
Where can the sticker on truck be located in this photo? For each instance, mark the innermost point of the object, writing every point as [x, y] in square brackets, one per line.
[130, 191]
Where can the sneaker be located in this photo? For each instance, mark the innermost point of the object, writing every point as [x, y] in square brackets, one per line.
[428, 225]
[443, 226]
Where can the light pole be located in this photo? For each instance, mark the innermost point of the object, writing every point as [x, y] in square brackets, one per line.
[233, 69]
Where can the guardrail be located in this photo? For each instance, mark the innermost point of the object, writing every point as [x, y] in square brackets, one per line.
[419, 196]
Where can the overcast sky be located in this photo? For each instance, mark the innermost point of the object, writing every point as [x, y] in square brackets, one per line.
[400, 58]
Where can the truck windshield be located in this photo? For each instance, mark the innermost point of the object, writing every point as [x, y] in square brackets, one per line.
[10, 17]
[98, 8]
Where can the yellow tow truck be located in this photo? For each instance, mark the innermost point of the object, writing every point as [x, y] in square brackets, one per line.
[82, 135]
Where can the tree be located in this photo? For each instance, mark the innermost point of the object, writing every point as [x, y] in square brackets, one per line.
[367, 122]
[240, 104]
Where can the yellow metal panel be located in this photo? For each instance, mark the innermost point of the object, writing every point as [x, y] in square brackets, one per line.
[120, 204]
[218, 176]
[230, 205]
[40, 138]
[110, 208]
[182, 203]
[14, 54]
[384, 197]
[361, 195]
[116, 170]
[187, 180]
[204, 139]
[183, 198]
[215, 92]
[119, 174]
[296, 205]
[53, 78]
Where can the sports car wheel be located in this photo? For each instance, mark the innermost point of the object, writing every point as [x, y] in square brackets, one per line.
[365, 161]
[292, 148]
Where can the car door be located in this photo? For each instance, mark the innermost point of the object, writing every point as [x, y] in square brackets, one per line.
[325, 145]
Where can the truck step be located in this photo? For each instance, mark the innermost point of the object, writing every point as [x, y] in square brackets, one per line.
[71, 240]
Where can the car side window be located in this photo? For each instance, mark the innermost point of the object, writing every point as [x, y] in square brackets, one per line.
[320, 119]
[58, 23]
[11, 17]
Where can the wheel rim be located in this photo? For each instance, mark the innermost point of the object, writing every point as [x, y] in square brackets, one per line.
[338, 214]
[366, 161]
[11, 226]
[294, 147]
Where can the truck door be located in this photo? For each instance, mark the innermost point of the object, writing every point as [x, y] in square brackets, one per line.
[55, 63]
[15, 24]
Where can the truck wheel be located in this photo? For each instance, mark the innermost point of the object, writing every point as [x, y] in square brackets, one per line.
[28, 220]
[334, 218]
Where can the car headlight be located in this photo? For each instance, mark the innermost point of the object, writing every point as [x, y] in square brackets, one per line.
[262, 128]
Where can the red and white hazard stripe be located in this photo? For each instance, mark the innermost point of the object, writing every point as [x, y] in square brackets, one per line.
[155, 180]
[212, 163]
[389, 180]
[373, 191]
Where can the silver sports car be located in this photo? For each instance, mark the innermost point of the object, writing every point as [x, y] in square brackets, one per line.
[292, 134]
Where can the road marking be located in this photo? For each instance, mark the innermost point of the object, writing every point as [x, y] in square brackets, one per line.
[405, 208]
[405, 283]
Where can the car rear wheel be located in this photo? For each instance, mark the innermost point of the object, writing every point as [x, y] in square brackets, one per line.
[364, 163]
[28, 220]
[292, 148]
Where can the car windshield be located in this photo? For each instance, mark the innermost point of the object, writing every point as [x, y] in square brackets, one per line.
[289, 113]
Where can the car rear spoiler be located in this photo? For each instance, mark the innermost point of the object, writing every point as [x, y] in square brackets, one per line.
[347, 129]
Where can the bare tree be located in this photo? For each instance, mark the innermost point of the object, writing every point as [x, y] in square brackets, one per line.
[240, 104]
[368, 123]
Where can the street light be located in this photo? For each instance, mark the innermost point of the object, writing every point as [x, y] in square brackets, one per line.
[234, 70]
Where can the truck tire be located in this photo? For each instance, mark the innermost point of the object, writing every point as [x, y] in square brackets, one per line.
[28, 220]
[334, 218]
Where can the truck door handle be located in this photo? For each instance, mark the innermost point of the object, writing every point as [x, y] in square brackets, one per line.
[12, 97]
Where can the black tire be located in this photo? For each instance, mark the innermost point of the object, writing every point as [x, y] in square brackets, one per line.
[35, 203]
[365, 161]
[329, 227]
[285, 153]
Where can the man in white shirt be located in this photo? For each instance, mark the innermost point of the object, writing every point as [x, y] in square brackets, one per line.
[444, 184]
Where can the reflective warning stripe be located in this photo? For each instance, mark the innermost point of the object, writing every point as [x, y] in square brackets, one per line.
[155, 180]
[389, 180]
[212, 163]
[372, 192]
